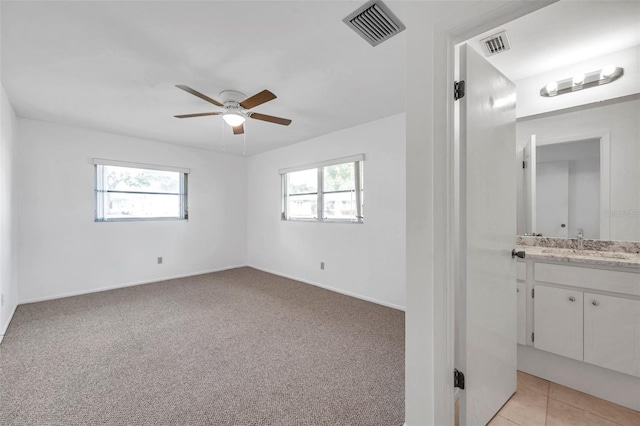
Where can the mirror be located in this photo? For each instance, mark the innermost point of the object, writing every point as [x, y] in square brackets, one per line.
[581, 171]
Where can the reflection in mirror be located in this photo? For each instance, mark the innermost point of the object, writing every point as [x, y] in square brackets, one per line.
[571, 137]
[568, 189]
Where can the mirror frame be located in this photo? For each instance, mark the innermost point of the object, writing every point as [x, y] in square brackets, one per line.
[605, 177]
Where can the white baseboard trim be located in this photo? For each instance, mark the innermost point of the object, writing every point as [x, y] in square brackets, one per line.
[326, 287]
[113, 287]
[6, 326]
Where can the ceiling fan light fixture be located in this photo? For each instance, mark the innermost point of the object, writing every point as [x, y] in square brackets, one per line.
[233, 118]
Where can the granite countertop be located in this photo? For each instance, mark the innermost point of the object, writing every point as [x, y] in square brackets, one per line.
[595, 252]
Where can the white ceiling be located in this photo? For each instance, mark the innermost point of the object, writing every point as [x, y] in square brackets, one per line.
[565, 33]
[112, 66]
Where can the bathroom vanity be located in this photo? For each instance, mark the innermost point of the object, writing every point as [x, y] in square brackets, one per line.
[579, 315]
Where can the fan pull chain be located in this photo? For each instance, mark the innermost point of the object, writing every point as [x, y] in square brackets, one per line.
[224, 145]
[244, 141]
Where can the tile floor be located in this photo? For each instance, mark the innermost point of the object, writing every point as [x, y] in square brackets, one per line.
[540, 402]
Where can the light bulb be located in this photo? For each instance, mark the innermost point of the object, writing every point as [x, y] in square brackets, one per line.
[233, 119]
[578, 79]
[552, 88]
[608, 71]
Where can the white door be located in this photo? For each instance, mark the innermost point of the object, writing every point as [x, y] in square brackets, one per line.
[552, 200]
[487, 324]
[530, 185]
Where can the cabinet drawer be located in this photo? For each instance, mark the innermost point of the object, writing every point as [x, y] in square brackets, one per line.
[589, 278]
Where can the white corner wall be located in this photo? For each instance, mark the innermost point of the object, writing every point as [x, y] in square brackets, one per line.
[363, 260]
[620, 120]
[8, 212]
[62, 251]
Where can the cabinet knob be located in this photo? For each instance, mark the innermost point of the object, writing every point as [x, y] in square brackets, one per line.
[572, 299]
[595, 303]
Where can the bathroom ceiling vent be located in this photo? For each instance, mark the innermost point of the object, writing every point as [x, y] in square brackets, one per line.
[374, 22]
[496, 43]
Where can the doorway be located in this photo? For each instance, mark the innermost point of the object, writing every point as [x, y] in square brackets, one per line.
[570, 197]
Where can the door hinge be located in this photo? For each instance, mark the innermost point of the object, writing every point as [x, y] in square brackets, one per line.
[533, 336]
[533, 293]
[524, 164]
[458, 379]
[458, 90]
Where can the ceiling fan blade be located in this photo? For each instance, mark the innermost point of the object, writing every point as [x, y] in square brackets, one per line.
[257, 99]
[270, 118]
[238, 130]
[201, 114]
[198, 94]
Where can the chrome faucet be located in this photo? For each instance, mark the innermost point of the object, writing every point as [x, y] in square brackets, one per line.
[580, 239]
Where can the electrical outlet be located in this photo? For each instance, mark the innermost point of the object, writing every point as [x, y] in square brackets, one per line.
[322, 265]
[160, 260]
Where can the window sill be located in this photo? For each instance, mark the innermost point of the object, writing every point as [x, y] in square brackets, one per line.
[146, 219]
[354, 222]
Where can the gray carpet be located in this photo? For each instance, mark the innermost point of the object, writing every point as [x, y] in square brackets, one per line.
[239, 347]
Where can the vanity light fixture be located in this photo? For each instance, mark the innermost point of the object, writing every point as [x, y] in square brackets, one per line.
[582, 81]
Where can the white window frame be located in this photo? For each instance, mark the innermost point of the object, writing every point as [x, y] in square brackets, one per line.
[99, 191]
[357, 160]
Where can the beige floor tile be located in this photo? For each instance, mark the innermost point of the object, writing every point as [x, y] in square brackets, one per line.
[561, 414]
[501, 421]
[526, 408]
[597, 406]
[533, 383]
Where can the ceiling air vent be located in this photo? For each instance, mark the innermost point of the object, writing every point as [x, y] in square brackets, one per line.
[374, 22]
[496, 43]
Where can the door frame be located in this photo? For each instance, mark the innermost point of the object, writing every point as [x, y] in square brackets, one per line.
[433, 251]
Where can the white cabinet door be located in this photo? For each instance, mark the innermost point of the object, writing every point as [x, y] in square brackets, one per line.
[522, 313]
[558, 321]
[612, 332]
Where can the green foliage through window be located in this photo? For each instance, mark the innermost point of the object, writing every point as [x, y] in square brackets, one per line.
[340, 198]
[130, 193]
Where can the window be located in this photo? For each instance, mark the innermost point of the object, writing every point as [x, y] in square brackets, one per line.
[128, 191]
[331, 191]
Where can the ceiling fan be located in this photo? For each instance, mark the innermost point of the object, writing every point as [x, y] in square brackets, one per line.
[236, 110]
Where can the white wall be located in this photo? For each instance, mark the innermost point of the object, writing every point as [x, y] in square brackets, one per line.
[8, 212]
[366, 260]
[620, 119]
[528, 90]
[62, 251]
